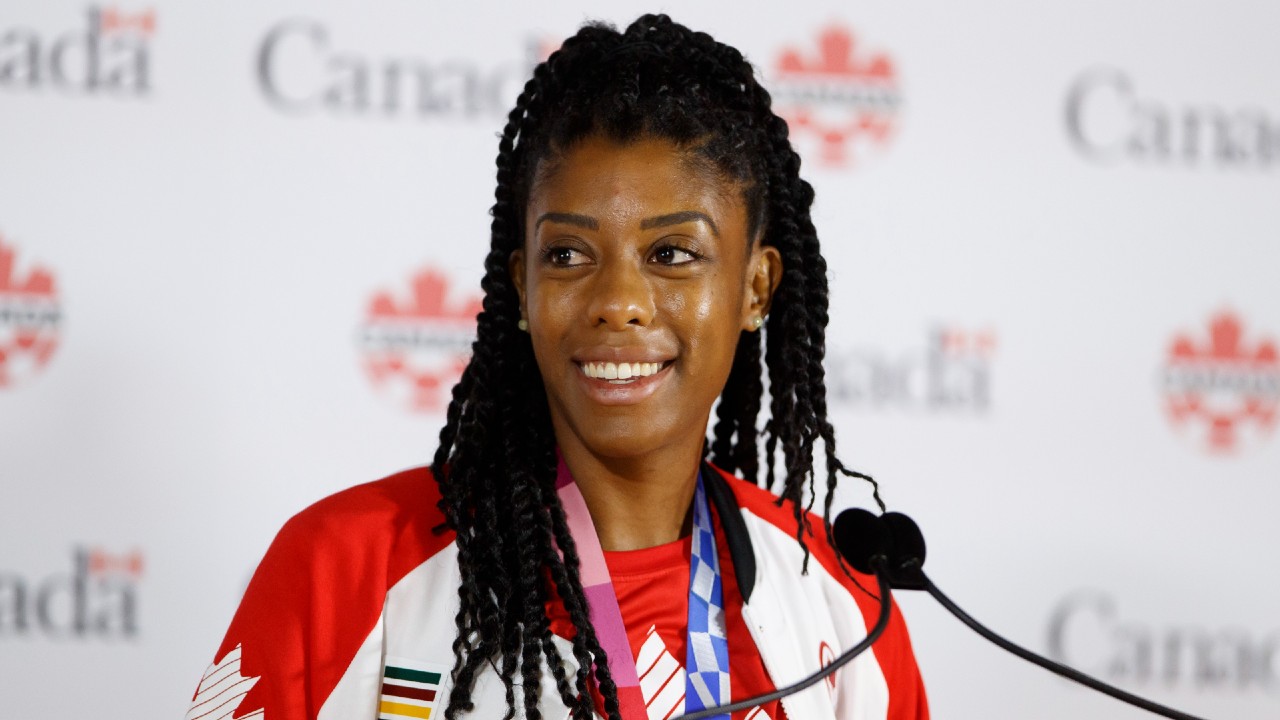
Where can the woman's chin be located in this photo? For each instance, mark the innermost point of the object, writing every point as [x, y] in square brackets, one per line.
[620, 438]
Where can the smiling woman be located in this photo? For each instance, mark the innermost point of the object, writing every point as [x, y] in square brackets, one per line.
[570, 553]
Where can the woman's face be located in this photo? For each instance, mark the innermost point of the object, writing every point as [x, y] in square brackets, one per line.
[636, 278]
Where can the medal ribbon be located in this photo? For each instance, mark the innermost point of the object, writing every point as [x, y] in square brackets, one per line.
[706, 675]
[707, 654]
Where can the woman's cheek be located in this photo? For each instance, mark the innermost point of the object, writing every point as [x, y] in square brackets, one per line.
[558, 305]
[674, 304]
[699, 306]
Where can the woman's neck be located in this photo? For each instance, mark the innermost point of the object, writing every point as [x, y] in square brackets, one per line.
[636, 502]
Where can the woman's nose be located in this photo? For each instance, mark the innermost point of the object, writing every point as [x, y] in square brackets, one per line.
[622, 296]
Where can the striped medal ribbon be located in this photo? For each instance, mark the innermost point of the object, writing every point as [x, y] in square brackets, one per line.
[707, 656]
[706, 675]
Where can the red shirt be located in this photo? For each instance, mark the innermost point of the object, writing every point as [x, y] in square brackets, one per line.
[652, 587]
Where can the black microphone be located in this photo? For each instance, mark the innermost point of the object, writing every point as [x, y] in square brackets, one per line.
[865, 543]
[905, 568]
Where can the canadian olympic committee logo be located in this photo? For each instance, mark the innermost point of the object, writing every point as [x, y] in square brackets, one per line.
[1225, 385]
[840, 100]
[416, 345]
[109, 54]
[30, 316]
[98, 598]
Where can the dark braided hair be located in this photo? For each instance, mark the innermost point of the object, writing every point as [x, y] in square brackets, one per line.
[496, 463]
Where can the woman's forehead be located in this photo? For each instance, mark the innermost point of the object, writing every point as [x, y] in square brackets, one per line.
[599, 170]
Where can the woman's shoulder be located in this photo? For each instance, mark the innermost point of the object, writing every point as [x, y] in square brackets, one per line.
[764, 504]
[408, 496]
[396, 518]
[778, 521]
[776, 529]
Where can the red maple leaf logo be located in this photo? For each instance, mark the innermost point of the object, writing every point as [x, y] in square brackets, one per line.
[420, 342]
[429, 300]
[102, 562]
[836, 96]
[29, 316]
[116, 20]
[835, 56]
[961, 342]
[1223, 381]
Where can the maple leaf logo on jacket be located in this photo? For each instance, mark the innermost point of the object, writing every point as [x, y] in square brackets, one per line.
[30, 315]
[221, 691]
[1223, 383]
[844, 99]
[416, 347]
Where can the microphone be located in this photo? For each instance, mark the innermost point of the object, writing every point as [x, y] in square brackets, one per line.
[905, 569]
[865, 543]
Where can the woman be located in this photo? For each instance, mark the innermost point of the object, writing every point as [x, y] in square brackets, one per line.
[569, 554]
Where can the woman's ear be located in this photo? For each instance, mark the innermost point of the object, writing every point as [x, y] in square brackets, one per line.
[515, 269]
[764, 272]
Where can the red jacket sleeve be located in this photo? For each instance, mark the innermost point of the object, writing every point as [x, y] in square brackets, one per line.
[316, 596]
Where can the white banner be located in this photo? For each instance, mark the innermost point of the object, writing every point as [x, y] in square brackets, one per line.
[239, 247]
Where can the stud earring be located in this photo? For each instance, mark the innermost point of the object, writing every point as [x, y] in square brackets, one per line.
[523, 324]
[756, 322]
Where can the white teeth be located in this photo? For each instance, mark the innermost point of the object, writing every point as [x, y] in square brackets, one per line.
[619, 372]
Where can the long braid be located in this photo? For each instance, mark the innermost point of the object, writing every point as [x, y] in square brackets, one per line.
[800, 339]
[496, 462]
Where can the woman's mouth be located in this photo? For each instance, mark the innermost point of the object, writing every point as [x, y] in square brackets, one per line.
[622, 383]
[620, 373]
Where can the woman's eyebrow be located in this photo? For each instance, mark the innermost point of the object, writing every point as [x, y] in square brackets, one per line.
[676, 218]
[582, 221]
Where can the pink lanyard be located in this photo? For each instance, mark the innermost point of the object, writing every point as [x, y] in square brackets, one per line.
[606, 617]
[707, 652]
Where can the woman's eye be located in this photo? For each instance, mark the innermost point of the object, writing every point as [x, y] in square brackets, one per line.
[565, 257]
[671, 255]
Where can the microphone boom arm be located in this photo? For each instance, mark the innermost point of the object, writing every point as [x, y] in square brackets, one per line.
[1047, 664]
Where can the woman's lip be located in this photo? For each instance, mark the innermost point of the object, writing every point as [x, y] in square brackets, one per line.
[612, 392]
[582, 365]
[621, 355]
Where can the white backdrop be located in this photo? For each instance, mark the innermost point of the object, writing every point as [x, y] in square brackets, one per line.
[238, 244]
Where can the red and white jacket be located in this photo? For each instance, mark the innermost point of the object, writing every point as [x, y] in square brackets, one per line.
[351, 613]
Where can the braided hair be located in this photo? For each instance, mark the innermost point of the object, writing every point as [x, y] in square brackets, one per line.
[496, 462]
